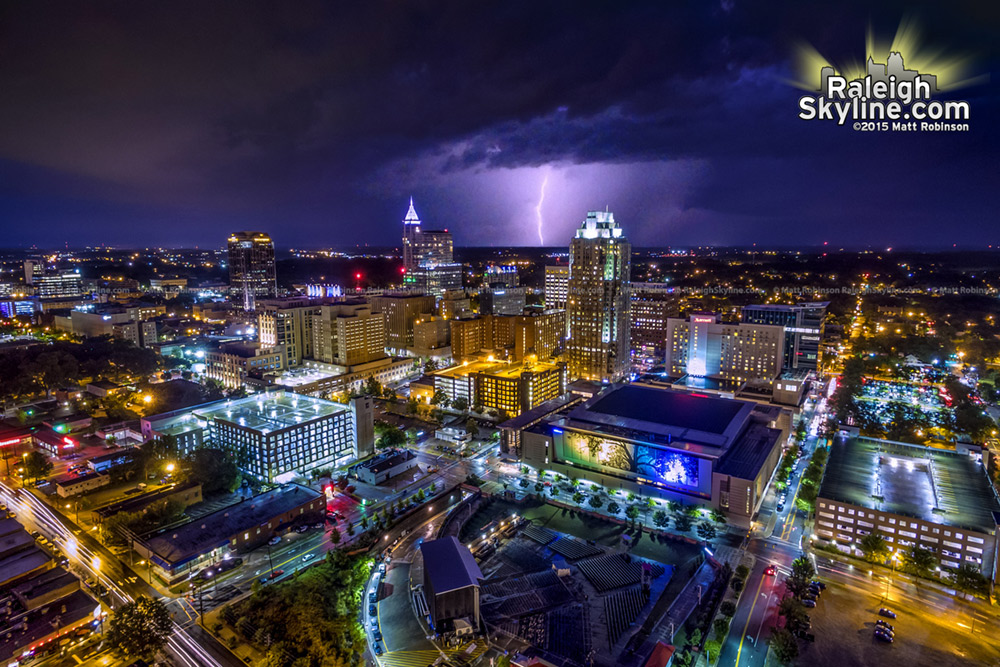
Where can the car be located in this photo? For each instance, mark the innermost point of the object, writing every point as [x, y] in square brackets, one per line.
[308, 557]
[377, 648]
[888, 613]
[377, 635]
[301, 529]
[372, 597]
[274, 540]
[372, 610]
[809, 603]
[374, 622]
[819, 584]
[883, 636]
[883, 624]
[277, 573]
[781, 507]
[317, 526]
[381, 568]
[770, 570]
[810, 595]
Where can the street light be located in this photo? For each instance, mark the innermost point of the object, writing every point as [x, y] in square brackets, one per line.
[170, 467]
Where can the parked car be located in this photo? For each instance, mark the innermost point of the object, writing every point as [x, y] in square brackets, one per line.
[888, 613]
[372, 610]
[883, 636]
[819, 584]
[377, 648]
[809, 603]
[883, 624]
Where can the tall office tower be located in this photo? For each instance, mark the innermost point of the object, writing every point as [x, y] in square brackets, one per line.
[348, 333]
[287, 324]
[424, 249]
[500, 300]
[34, 267]
[251, 268]
[804, 326]
[651, 305]
[401, 312]
[58, 284]
[501, 275]
[556, 281]
[597, 300]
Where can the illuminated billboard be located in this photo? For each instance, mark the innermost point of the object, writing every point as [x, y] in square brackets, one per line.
[667, 467]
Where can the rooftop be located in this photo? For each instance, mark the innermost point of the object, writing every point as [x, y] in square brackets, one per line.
[265, 412]
[378, 465]
[178, 545]
[449, 564]
[668, 408]
[934, 485]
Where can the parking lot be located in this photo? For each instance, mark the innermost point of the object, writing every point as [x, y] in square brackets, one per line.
[930, 629]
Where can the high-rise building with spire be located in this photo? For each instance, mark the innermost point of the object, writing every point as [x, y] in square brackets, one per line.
[428, 256]
[251, 268]
[597, 300]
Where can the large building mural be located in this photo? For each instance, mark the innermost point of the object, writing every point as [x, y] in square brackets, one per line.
[667, 467]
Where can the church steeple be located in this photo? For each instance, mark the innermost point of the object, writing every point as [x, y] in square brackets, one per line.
[411, 215]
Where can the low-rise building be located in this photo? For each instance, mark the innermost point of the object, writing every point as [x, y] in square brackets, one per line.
[910, 496]
[74, 485]
[231, 364]
[451, 583]
[178, 551]
[382, 468]
[512, 388]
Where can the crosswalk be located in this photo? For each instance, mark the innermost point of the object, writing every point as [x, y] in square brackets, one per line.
[426, 657]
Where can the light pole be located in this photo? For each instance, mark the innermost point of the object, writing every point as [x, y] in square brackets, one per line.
[888, 582]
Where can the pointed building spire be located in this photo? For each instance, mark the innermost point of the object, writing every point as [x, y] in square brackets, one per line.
[411, 214]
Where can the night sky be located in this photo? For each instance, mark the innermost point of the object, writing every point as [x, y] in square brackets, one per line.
[141, 123]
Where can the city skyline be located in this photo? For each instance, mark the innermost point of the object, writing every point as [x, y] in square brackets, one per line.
[154, 134]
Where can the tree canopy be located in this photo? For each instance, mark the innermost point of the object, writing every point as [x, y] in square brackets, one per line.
[140, 628]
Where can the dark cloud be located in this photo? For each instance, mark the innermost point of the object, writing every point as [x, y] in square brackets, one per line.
[175, 122]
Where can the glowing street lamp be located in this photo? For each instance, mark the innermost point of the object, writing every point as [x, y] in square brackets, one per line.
[170, 467]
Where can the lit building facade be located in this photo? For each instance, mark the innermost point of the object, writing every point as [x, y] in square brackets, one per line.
[251, 268]
[273, 434]
[348, 334]
[401, 312]
[597, 301]
[424, 248]
[652, 304]
[513, 388]
[500, 300]
[556, 285]
[287, 325]
[703, 347]
[664, 444]
[804, 328]
[231, 364]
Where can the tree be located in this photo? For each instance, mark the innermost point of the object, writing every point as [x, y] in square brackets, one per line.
[801, 576]
[719, 517]
[742, 572]
[613, 508]
[372, 387]
[391, 437]
[421, 494]
[784, 645]
[461, 404]
[712, 649]
[472, 428]
[706, 531]
[539, 487]
[660, 518]
[440, 398]
[215, 469]
[523, 482]
[728, 608]
[335, 536]
[430, 366]
[595, 501]
[632, 513]
[793, 612]
[721, 626]
[683, 522]
[694, 639]
[873, 548]
[350, 528]
[140, 628]
[736, 584]
[919, 561]
[36, 466]
[577, 497]
[970, 581]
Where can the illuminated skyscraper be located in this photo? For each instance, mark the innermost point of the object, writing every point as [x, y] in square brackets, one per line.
[597, 300]
[424, 249]
[251, 268]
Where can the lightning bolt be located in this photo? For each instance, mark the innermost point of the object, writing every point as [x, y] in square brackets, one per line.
[538, 207]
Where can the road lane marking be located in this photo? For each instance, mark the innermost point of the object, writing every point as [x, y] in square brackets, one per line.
[743, 635]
